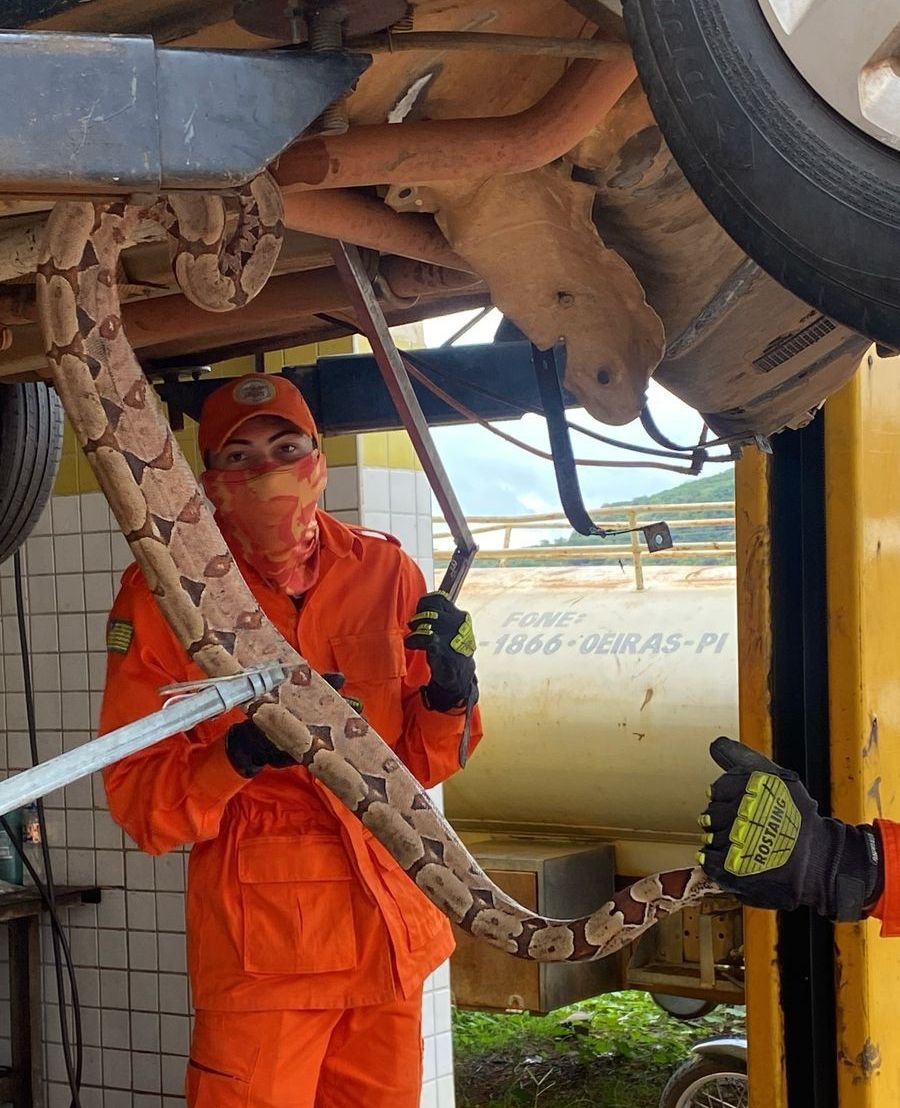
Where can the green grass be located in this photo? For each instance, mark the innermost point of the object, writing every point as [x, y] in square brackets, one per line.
[616, 1051]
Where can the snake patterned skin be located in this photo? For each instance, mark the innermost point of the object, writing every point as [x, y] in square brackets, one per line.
[223, 250]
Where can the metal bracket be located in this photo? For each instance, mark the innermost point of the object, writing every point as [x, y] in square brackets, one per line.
[163, 379]
[393, 369]
[656, 535]
[185, 688]
[289, 20]
[94, 114]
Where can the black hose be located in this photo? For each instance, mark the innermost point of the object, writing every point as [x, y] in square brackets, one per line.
[47, 888]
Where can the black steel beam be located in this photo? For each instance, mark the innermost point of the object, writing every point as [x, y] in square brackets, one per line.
[347, 393]
[800, 720]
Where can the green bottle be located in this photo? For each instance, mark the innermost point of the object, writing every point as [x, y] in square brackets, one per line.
[10, 859]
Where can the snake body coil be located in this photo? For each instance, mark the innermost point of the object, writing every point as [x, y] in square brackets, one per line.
[189, 569]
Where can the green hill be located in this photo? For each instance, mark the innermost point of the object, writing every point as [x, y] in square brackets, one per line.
[701, 490]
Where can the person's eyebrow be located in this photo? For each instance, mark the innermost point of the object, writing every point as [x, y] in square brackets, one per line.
[288, 431]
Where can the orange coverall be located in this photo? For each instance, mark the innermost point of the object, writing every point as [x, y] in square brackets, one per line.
[888, 907]
[306, 941]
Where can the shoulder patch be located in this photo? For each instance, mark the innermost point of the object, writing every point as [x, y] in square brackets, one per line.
[119, 634]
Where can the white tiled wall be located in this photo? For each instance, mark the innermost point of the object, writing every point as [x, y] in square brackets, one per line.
[129, 950]
[399, 501]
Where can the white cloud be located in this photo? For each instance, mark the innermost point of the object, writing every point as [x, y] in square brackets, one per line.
[493, 477]
[438, 330]
[537, 504]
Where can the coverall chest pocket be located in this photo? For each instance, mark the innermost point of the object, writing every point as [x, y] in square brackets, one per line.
[298, 914]
[370, 655]
[374, 664]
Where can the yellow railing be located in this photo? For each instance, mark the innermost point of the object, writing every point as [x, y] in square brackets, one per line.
[620, 517]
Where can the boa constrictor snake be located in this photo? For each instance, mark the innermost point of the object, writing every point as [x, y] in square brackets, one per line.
[223, 250]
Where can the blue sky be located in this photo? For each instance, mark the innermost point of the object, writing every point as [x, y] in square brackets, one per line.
[494, 477]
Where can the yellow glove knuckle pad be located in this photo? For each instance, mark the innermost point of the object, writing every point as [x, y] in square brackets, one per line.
[463, 642]
[766, 829]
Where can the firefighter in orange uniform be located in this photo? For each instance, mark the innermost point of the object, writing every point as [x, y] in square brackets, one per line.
[307, 944]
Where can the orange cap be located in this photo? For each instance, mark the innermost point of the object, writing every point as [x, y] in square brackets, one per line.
[255, 394]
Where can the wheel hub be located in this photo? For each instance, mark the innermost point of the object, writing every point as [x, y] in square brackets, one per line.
[721, 1091]
[849, 53]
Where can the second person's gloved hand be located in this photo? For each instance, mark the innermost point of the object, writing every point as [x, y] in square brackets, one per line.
[250, 751]
[445, 633]
[767, 844]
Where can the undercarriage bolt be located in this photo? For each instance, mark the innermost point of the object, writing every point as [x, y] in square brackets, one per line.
[407, 23]
[294, 16]
[326, 33]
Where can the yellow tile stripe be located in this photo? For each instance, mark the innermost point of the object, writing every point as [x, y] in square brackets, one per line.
[76, 476]
[390, 449]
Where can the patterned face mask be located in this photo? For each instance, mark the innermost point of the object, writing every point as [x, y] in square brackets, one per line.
[268, 516]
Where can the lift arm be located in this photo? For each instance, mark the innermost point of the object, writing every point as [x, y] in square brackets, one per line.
[390, 361]
[95, 114]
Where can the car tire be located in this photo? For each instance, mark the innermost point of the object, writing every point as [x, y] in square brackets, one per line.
[31, 435]
[699, 1074]
[811, 198]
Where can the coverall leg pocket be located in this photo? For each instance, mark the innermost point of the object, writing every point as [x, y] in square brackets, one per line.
[221, 1065]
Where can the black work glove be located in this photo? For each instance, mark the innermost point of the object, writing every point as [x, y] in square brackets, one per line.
[250, 751]
[767, 844]
[337, 682]
[445, 634]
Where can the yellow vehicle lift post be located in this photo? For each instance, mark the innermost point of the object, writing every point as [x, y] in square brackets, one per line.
[819, 608]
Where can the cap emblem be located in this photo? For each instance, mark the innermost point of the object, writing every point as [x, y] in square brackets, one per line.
[254, 392]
